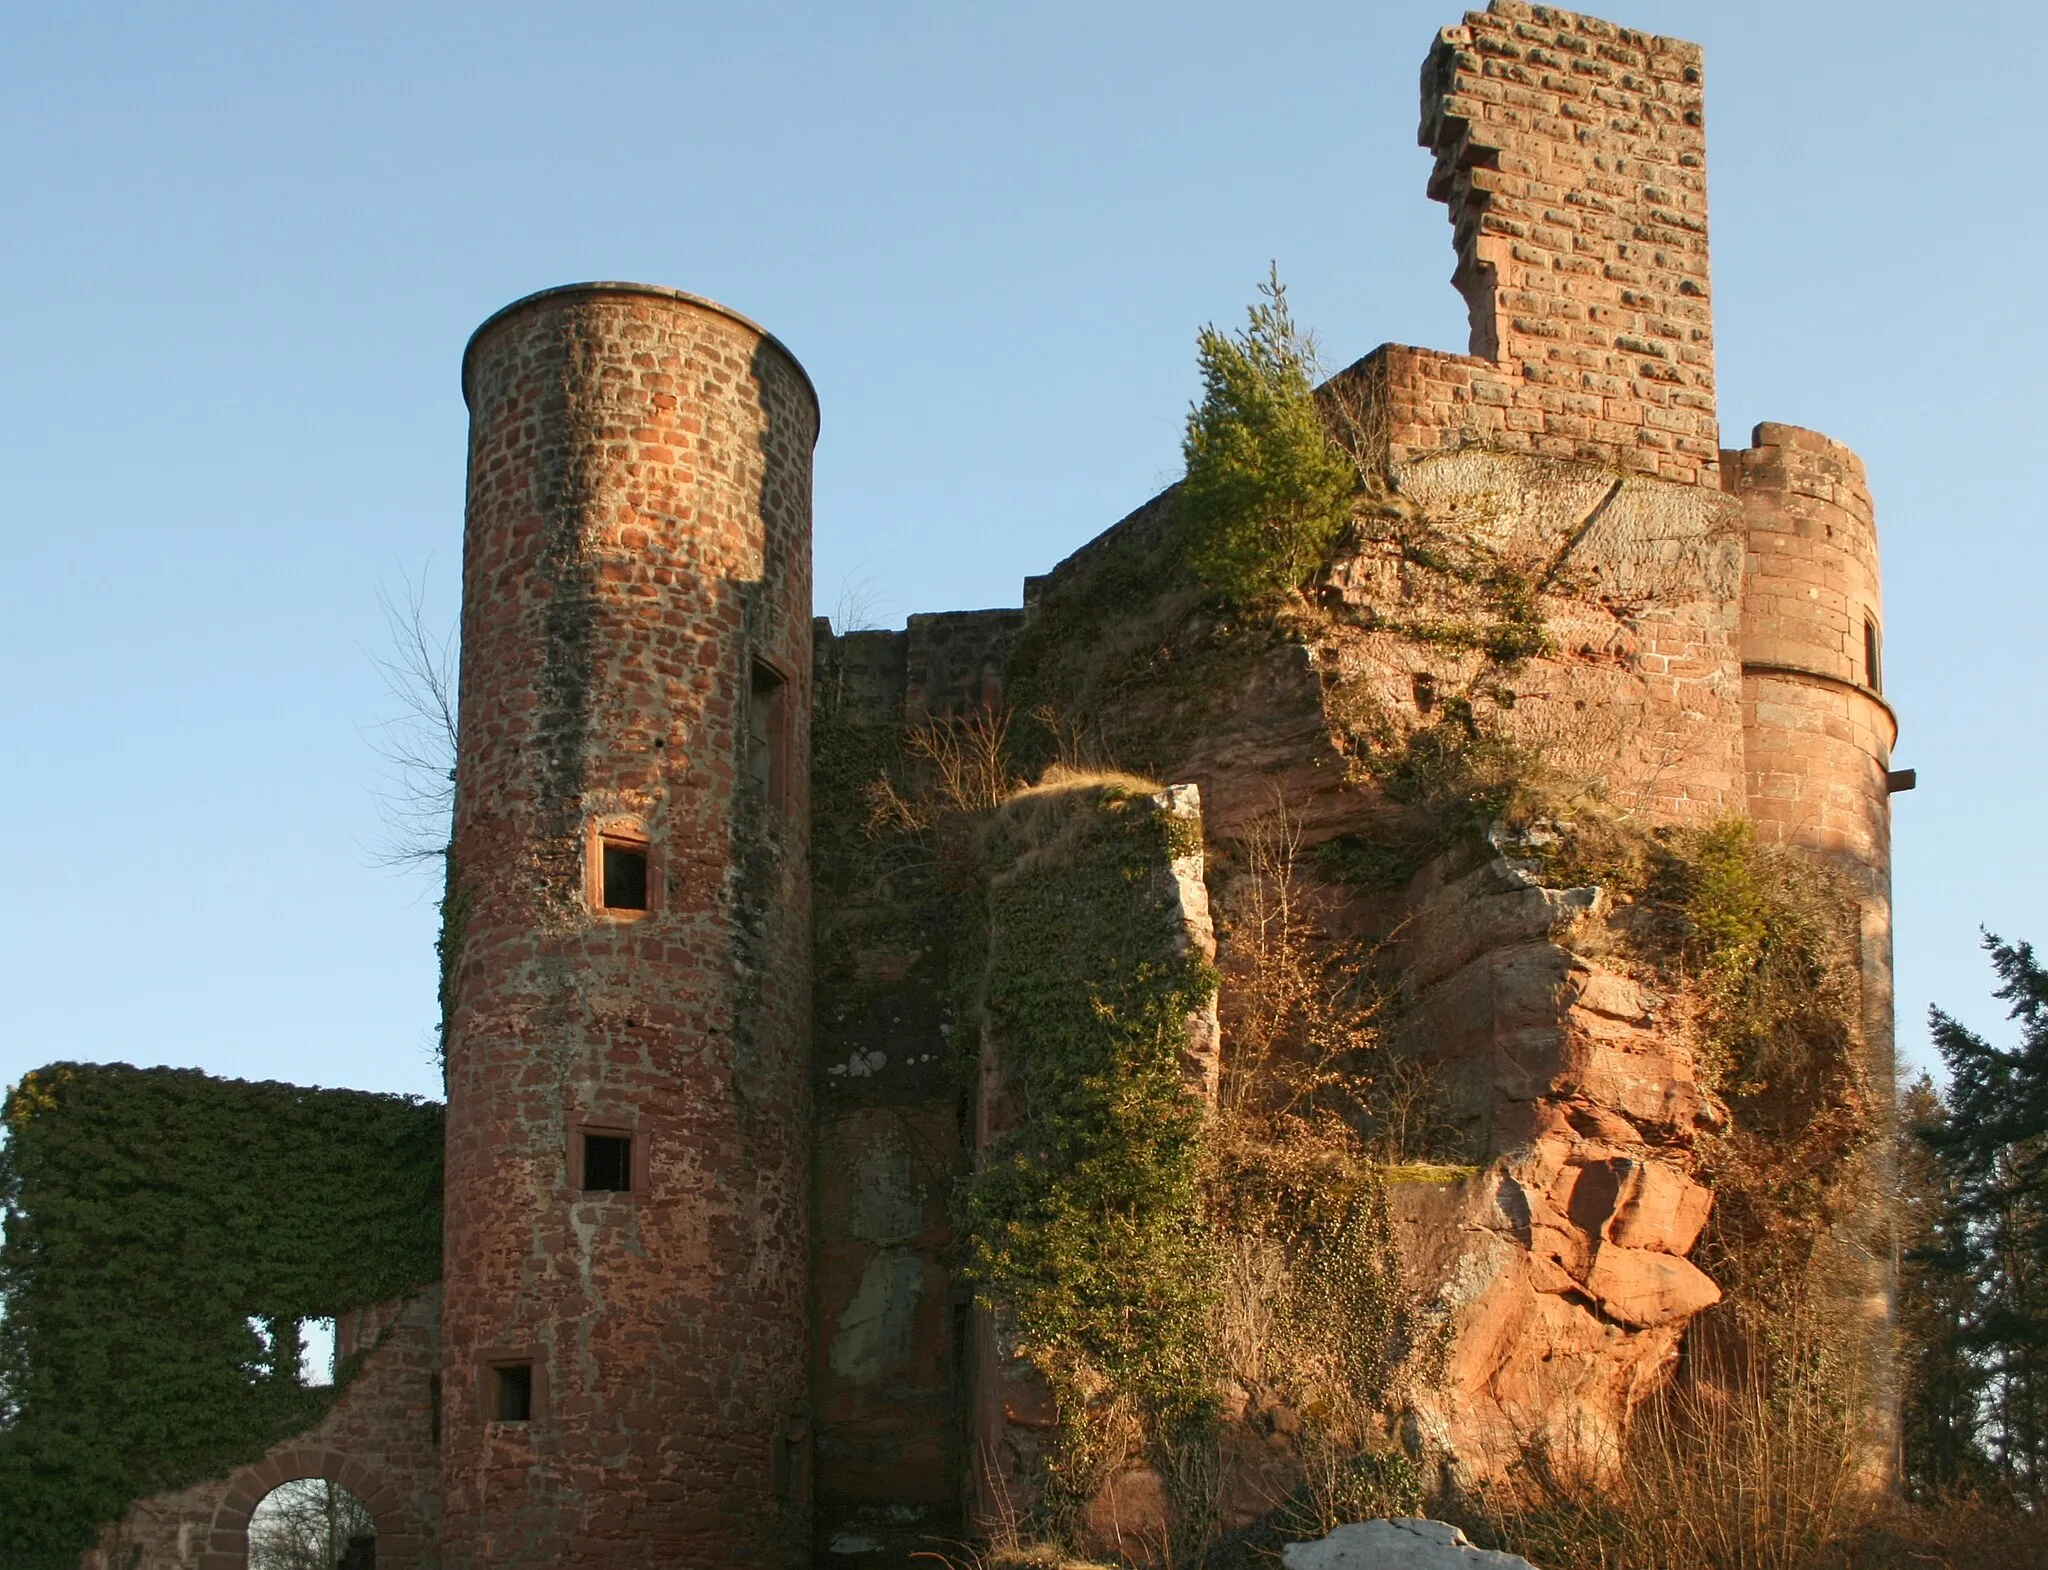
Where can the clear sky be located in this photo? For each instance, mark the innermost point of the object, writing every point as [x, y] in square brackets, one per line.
[241, 247]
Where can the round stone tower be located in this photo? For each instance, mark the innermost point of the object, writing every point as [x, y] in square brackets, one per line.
[629, 943]
[1817, 740]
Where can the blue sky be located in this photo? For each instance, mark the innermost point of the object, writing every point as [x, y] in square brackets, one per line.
[243, 245]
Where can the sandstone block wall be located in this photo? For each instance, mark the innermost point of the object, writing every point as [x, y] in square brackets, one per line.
[1637, 580]
[890, 1342]
[636, 652]
[1572, 155]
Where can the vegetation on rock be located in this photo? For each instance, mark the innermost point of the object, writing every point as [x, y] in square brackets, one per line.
[1268, 491]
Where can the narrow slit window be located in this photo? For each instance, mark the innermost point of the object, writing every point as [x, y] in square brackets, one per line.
[624, 874]
[607, 1164]
[1873, 656]
[515, 1393]
[766, 731]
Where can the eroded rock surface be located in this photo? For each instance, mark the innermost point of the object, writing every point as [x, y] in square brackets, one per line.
[1557, 1271]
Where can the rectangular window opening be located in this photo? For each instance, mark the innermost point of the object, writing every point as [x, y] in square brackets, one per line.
[317, 1353]
[767, 737]
[515, 1393]
[607, 1164]
[625, 875]
[1873, 650]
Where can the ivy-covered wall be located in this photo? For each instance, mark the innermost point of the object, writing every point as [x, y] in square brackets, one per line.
[166, 1233]
[1086, 1231]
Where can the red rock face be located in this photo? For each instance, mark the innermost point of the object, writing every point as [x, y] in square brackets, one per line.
[1558, 1270]
[636, 675]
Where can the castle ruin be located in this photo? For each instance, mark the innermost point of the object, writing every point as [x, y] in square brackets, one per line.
[706, 1116]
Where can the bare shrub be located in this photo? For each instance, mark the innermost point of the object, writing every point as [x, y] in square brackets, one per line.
[1760, 1470]
[1314, 1321]
[417, 739]
[961, 766]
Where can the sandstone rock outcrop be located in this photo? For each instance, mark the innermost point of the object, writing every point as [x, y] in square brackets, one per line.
[1558, 1270]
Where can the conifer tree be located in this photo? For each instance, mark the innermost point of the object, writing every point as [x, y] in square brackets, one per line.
[1943, 1382]
[1267, 490]
[1993, 1148]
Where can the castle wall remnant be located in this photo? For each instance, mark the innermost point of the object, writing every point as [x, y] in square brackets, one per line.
[1572, 155]
[628, 1109]
[379, 1441]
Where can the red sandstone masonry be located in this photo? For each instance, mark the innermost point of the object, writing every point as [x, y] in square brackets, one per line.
[1572, 155]
[1819, 732]
[638, 541]
[1817, 739]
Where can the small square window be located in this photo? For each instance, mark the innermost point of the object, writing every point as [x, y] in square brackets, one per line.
[625, 875]
[514, 1393]
[607, 1164]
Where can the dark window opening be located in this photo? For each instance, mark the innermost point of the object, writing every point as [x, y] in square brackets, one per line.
[515, 1393]
[434, 1409]
[607, 1164]
[625, 876]
[1873, 649]
[766, 732]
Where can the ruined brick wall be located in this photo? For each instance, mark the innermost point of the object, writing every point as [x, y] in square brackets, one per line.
[635, 660]
[1572, 155]
[379, 1440]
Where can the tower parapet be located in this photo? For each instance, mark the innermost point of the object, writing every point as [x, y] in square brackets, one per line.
[1819, 731]
[628, 1116]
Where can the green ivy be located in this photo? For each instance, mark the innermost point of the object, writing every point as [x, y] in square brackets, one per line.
[151, 1214]
[1086, 1224]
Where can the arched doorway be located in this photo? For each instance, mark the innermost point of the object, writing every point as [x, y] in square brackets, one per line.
[393, 1533]
[311, 1523]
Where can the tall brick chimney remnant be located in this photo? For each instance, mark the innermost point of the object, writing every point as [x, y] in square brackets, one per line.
[1572, 155]
[627, 1227]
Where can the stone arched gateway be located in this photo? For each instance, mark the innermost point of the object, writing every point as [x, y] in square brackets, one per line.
[398, 1541]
